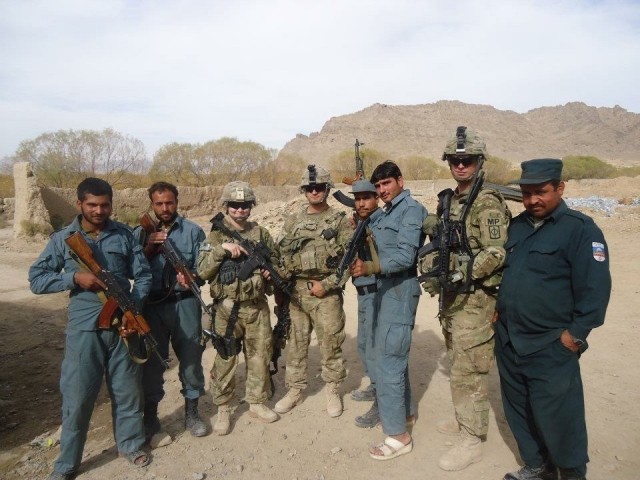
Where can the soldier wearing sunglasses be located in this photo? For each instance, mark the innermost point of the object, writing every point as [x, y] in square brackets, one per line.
[311, 246]
[469, 292]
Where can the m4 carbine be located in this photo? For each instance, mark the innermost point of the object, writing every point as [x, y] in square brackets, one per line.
[131, 321]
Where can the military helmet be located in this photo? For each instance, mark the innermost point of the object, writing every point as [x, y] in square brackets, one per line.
[314, 175]
[466, 142]
[237, 192]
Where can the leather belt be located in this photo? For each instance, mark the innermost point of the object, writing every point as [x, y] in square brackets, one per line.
[173, 297]
[367, 289]
[411, 272]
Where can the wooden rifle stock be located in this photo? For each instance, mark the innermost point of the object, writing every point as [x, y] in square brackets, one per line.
[150, 226]
[118, 300]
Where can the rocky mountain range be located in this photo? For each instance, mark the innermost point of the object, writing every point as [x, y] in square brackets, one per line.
[611, 134]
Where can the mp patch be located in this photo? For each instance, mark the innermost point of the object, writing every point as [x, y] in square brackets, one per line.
[598, 251]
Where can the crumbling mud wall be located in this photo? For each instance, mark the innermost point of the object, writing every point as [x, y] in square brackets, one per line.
[30, 214]
[46, 208]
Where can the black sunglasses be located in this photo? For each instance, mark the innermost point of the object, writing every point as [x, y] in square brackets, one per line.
[240, 205]
[318, 187]
[455, 161]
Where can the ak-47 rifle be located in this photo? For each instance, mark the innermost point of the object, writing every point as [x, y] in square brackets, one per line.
[118, 301]
[341, 197]
[353, 247]
[177, 261]
[150, 226]
[259, 256]
[451, 235]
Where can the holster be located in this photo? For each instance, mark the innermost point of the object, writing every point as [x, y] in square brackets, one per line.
[226, 347]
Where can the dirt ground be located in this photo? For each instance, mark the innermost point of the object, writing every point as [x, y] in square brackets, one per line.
[306, 443]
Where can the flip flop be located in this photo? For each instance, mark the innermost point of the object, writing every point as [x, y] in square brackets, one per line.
[391, 448]
[137, 458]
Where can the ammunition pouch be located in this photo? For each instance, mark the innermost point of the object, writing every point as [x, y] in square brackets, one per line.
[229, 269]
[333, 262]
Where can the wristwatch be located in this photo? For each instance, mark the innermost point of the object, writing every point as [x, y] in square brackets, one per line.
[582, 345]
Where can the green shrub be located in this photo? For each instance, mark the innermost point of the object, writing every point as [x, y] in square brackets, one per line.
[421, 168]
[633, 171]
[500, 171]
[577, 167]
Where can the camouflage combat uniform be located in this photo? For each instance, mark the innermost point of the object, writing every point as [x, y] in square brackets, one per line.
[308, 252]
[253, 324]
[466, 324]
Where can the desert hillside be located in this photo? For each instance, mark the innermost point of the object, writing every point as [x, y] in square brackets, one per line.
[612, 134]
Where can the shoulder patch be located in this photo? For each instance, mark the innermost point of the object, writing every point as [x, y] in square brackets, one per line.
[598, 251]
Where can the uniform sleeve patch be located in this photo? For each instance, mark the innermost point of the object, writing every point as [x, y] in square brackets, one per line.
[598, 251]
[494, 221]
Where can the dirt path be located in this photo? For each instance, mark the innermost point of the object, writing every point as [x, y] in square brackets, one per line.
[306, 443]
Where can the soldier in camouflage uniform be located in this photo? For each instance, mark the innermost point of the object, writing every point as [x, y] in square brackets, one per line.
[245, 301]
[311, 247]
[466, 319]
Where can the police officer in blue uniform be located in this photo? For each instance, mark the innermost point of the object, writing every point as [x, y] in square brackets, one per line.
[397, 231]
[173, 312]
[91, 354]
[555, 290]
[366, 203]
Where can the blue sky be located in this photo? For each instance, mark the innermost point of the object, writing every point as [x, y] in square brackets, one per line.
[264, 70]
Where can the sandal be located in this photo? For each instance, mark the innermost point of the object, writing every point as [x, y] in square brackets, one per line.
[391, 448]
[137, 458]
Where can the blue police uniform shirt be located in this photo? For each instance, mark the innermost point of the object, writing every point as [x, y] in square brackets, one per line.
[186, 237]
[115, 249]
[397, 229]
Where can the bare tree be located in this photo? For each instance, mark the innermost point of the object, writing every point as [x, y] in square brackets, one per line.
[61, 158]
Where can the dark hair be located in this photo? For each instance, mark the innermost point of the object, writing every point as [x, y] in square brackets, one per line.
[555, 183]
[162, 186]
[386, 169]
[94, 186]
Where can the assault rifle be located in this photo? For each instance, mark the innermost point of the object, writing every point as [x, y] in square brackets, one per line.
[259, 256]
[341, 197]
[117, 300]
[150, 226]
[353, 247]
[177, 261]
[451, 235]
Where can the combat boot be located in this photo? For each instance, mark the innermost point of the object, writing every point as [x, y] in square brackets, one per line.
[192, 420]
[223, 419]
[334, 402]
[365, 395]
[466, 450]
[151, 421]
[290, 400]
[448, 427]
[263, 413]
[545, 472]
[369, 419]
[571, 474]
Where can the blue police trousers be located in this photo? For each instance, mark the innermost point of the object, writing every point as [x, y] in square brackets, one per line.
[89, 356]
